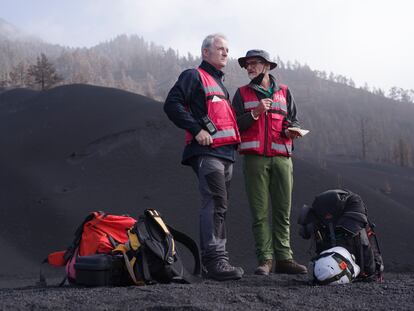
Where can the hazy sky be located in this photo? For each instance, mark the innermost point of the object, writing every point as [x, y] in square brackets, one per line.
[368, 40]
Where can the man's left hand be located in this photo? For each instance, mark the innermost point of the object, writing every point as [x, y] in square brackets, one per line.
[292, 134]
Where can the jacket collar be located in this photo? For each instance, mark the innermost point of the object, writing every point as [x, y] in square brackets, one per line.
[211, 70]
[273, 81]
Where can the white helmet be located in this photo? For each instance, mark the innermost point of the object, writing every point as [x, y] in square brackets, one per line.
[333, 266]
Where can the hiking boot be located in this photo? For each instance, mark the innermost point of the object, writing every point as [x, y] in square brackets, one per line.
[222, 270]
[264, 268]
[290, 266]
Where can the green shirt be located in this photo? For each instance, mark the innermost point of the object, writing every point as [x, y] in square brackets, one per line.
[269, 92]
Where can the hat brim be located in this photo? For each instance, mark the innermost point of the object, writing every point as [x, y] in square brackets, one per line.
[242, 62]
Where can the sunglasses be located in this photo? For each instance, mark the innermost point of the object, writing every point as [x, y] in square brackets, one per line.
[252, 63]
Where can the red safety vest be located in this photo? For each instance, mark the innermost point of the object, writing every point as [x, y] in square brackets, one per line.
[265, 136]
[220, 113]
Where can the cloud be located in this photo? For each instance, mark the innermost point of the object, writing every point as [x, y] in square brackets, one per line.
[358, 39]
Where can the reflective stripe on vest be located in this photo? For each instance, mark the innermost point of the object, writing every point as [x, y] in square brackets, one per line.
[281, 148]
[278, 105]
[251, 105]
[212, 89]
[225, 133]
[250, 144]
[275, 105]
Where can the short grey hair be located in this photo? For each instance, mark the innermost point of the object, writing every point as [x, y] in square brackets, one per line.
[208, 41]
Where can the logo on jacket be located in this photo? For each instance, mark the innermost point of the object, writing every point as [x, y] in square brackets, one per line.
[216, 99]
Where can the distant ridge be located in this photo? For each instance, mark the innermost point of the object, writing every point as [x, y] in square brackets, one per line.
[10, 32]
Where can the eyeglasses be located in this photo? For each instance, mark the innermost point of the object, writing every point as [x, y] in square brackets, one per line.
[252, 63]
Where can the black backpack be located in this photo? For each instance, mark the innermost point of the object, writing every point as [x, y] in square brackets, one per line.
[151, 254]
[339, 218]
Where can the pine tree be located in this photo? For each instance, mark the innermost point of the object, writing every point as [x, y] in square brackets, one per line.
[4, 80]
[44, 73]
[18, 75]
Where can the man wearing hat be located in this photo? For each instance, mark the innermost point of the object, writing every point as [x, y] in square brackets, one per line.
[265, 110]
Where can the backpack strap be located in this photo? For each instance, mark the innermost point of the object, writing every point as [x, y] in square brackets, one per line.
[191, 245]
[332, 236]
[78, 235]
[360, 250]
[62, 257]
[131, 246]
[188, 242]
[379, 264]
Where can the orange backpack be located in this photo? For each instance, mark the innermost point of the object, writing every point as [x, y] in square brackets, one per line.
[94, 237]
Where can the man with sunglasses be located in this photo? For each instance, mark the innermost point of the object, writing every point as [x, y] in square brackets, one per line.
[265, 110]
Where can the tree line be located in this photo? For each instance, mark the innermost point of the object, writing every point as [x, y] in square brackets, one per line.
[42, 75]
[131, 63]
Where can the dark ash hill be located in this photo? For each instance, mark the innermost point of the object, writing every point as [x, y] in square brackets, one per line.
[77, 148]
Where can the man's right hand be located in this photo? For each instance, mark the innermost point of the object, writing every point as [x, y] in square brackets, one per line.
[263, 106]
[204, 138]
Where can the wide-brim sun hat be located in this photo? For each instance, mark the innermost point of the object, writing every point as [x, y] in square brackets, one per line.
[257, 53]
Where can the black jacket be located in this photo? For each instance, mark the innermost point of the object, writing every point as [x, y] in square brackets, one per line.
[188, 91]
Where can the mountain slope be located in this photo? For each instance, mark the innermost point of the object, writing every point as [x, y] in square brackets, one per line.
[78, 148]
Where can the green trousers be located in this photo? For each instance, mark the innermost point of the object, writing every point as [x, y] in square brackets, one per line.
[269, 182]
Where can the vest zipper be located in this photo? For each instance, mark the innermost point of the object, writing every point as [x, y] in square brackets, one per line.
[265, 132]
